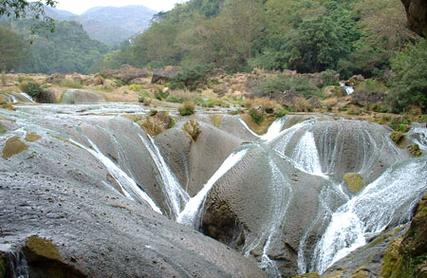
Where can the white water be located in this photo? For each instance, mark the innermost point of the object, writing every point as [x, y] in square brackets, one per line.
[189, 214]
[306, 155]
[418, 135]
[176, 196]
[273, 131]
[281, 195]
[348, 89]
[370, 212]
[127, 185]
[26, 96]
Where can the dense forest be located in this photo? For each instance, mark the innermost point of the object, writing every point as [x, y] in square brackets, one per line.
[67, 49]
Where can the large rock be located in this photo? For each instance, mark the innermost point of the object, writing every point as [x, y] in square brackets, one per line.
[75, 96]
[61, 214]
[416, 11]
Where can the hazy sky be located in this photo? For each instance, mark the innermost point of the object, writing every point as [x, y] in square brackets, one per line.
[80, 6]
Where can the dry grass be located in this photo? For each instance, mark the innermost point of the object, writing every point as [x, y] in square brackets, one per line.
[192, 128]
[300, 104]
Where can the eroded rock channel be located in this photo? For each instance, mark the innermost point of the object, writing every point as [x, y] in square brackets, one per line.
[86, 192]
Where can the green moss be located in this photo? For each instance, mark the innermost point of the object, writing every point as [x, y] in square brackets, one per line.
[415, 150]
[397, 137]
[43, 248]
[2, 129]
[257, 116]
[354, 182]
[217, 120]
[13, 147]
[32, 137]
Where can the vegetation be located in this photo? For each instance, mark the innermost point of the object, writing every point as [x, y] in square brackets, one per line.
[409, 82]
[192, 128]
[354, 182]
[187, 108]
[31, 87]
[13, 146]
[11, 49]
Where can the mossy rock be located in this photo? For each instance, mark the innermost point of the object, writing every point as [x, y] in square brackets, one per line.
[32, 137]
[361, 273]
[415, 150]
[43, 248]
[13, 147]
[354, 182]
[397, 137]
[3, 129]
[217, 120]
[392, 262]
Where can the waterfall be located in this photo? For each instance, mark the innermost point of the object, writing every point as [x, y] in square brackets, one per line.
[273, 131]
[189, 214]
[127, 185]
[349, 90]
[26, 96]
[371, 212]
[281, 195]
[306, 155]
[176, 196]
[418, 135]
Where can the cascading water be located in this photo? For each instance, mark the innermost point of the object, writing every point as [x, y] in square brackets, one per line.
[128, 186]
[349, 90]
[281, 195]
[176, 196]
[189, 214]
[273, 131]
[27, 97]
[306, 156]
[371, 212]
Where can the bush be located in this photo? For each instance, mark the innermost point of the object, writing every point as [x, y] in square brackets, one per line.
[330, 78]
[415, 150]
[161, 95]
[157, 123]
[397, 137]
[400, 124]
[281, 112]
[192, 128]
[191, 77]
[409, 83]
[136, 87]
[144, 97]
[281, 83]
[71, 83]
[187, 108]
[257, 116]
[31, 87]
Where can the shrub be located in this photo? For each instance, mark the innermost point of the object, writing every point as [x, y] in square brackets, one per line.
[31, 87]
[256, 115]
[192, 128]
[281, 112]
[144, 97]
[161, 95]
[409, 83]
[397, 137]
[175, 99]
[71, 83]
[300, 104]
[330, 78]
[157, 123]
[400, 124]
[187, 108]
[415, 150]
[136, 87]
[191, 77]
[207, 102]
[281, 83]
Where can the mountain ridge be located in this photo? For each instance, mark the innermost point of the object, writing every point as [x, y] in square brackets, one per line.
[109, 25]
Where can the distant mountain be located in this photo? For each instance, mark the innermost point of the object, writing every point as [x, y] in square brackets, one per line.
[112, 25]
[59, 14]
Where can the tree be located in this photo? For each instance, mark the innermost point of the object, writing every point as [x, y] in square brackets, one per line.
[19, 8]
[409, 84]
[11, 49]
